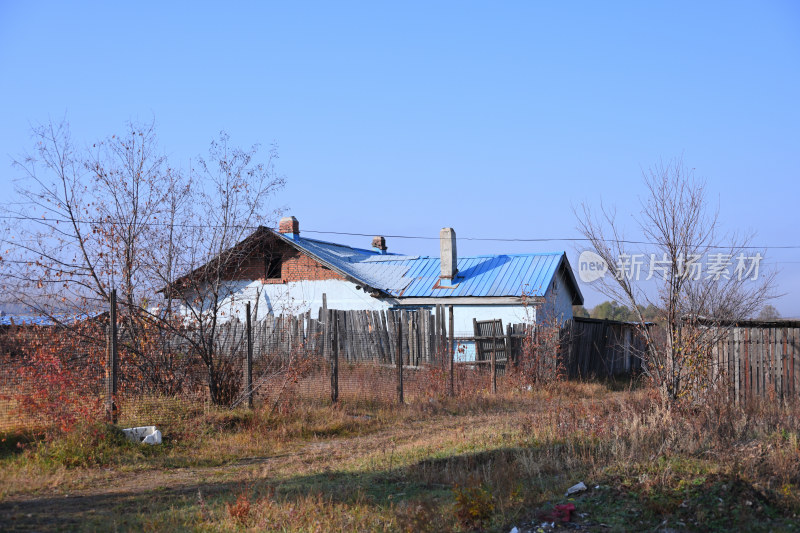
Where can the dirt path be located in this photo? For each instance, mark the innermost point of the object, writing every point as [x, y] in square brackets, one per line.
[106, 496]
[115, 497]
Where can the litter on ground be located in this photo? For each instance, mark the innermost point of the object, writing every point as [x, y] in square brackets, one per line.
[143, 435]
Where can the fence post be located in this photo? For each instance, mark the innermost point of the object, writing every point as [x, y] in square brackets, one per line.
[509, 358]
[399, 358]
[737, 368]
[112, 360]
[326, 328]
[451, 350]
[493, 361]
[333, 320]
[248, 368]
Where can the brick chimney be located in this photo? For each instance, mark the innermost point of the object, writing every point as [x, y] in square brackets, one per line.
[289, 225]
[379, 243]
[449, 257]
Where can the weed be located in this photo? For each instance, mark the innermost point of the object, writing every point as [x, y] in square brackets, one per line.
[88, 445]
[475, 505]
[239, 510]
[420, 516]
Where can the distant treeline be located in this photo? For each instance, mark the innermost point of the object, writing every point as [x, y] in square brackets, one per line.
[614, 311]
[609, 310]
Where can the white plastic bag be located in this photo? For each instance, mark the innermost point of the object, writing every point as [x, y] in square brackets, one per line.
[574, 489]
[143, 435]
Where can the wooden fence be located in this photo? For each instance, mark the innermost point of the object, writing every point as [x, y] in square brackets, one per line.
[757, 358]
[588, 347]
[761, 359]
[601, 348]
[361, 336]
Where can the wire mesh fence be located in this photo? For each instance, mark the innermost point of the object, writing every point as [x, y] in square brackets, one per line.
[54, 375]
[49, 376]
[135, 372]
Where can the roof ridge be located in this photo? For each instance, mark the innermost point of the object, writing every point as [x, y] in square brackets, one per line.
[366, 251]
[398, 257]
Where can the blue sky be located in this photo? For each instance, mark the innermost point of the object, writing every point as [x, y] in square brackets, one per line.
[399, 119]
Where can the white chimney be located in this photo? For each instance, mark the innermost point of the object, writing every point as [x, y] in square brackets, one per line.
[447, 242]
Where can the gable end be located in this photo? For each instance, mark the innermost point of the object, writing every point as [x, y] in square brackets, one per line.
[277, 262]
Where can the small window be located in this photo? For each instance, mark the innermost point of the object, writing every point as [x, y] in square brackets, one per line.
[273, 263]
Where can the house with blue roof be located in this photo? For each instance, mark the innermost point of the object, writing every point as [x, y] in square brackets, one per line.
[286, 273]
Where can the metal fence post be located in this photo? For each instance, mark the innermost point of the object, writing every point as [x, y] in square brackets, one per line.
[248, 366]
[112, 360]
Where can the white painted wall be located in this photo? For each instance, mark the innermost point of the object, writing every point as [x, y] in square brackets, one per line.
[558, 302]
[509, 314]
[302, 296]
[294, 298]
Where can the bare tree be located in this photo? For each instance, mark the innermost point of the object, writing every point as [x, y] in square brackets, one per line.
[769, 312]
[52, 257]
[234, 211]
[697, 304]
[116, 214]
[86, 220]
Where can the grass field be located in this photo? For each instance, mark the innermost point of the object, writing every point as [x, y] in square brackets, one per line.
[466, 464]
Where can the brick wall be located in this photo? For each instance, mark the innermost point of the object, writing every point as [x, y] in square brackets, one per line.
[300, 267]
[295, 266]
[251, 269]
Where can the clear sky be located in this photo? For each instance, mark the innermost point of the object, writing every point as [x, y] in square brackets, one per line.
[494, 118]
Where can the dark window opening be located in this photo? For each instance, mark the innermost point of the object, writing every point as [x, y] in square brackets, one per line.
[273, 263]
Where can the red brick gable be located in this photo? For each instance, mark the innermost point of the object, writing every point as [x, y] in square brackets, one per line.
[295, 266]
[250, 260]
[300, 267]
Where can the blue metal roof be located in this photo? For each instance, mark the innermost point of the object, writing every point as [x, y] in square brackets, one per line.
[418, 277]
[485, 275]
[40, 320]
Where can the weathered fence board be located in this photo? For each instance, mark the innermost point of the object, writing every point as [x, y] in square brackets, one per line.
[759, 358]
[601, 348]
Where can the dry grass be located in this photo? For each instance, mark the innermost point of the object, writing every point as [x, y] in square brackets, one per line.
[473, 462]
